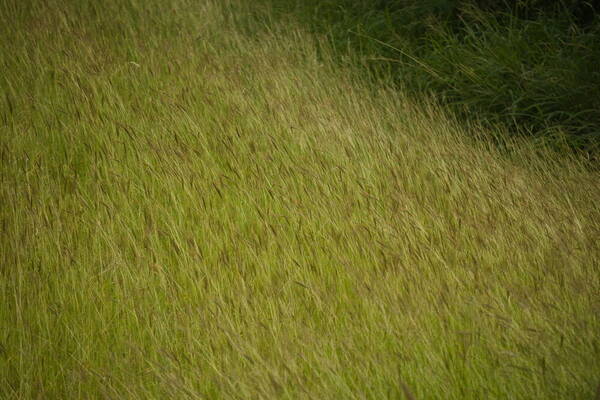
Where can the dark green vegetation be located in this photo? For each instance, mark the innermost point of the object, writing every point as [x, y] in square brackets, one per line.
[532, 66]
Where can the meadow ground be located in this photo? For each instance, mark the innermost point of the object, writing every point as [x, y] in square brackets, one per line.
[191, 212]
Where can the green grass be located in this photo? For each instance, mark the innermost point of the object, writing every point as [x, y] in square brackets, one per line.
[530, 66]
[188, 210]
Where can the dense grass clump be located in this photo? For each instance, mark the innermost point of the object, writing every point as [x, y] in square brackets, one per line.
[192, 210]
[531, 66]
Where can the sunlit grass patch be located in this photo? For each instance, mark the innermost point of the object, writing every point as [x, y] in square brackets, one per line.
[205, 214]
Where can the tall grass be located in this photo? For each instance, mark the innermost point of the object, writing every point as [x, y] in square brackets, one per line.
[529, 66]
[188, 210]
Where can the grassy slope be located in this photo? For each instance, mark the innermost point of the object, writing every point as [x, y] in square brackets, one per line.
[186, 212]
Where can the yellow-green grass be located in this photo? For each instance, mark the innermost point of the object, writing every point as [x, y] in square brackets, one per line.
[189, 212]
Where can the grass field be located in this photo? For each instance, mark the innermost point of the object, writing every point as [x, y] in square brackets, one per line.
[191, 212]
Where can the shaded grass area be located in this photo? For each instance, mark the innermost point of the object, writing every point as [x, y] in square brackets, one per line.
[187, 211]
[530, 66]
